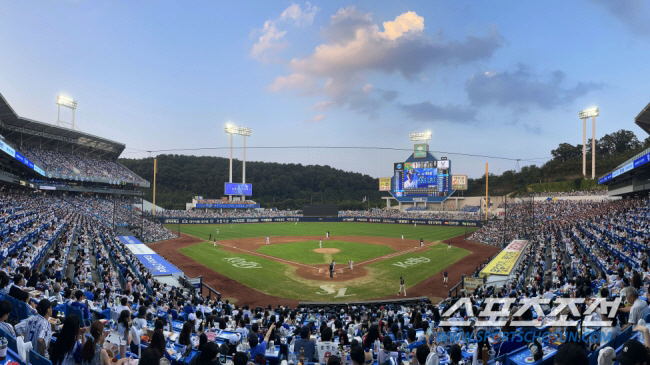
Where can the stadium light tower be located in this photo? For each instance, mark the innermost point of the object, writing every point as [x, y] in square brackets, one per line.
[64, 101]
[584, 114]
[423, 136]
[244, 132]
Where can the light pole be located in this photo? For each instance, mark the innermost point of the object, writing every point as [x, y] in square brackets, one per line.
[245, 132]
[66, 102]
[584, 114]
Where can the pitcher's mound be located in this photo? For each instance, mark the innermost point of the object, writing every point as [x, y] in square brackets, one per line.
[327, 250]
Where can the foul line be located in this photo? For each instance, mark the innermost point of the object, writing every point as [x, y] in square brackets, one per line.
[394, 254]
[269, 257]
[385, 257]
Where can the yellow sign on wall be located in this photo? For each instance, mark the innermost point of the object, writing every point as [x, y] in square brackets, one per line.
[458, 182]
[505, 261]
[471, 283]
[384, 184]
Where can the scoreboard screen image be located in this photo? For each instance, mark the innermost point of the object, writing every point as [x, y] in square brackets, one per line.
[419, 177]
[425, 178]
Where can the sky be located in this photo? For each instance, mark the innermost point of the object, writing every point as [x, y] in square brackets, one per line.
[489, 78]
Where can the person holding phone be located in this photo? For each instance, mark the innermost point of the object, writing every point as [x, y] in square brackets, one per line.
[92, 352]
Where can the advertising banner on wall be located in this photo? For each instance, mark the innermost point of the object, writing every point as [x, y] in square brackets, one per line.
[384, 184]
[505, 261]
[458, 182]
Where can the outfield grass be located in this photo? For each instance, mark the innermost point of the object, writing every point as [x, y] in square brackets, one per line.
[304, 252]
[238, 231]
[278, 279]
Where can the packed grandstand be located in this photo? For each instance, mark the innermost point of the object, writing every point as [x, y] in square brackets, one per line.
[61, 250]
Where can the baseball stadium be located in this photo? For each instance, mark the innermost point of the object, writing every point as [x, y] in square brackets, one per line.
[188, 210]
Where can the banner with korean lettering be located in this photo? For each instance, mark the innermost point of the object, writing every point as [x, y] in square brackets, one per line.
[505, 261]
[384, 184]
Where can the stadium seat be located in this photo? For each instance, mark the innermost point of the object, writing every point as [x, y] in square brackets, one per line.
[37, 359]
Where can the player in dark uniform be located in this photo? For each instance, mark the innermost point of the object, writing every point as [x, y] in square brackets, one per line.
[332, 269]
[445, 278]
[401, 286]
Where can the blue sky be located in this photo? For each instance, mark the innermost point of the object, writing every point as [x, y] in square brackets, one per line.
[499, 78]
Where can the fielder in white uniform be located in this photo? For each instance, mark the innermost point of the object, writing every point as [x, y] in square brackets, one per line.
[401, 286]
[402, 237]
[267, 240]
[351, 264]
[320, 243]
[215, 242]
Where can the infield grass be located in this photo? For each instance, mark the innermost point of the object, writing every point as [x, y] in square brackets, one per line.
[304, 252]
[279, 279]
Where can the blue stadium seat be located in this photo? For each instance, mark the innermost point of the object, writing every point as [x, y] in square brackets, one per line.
[37, 359]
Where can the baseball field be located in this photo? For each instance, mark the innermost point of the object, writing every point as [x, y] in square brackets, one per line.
[294, 266]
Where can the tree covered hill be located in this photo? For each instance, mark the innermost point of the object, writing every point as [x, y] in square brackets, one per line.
[290, 186]
[278, 185]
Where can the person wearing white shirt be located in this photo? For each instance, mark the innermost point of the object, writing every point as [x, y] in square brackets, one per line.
[326, 348]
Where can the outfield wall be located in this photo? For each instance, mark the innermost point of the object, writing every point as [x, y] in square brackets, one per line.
[426, 222]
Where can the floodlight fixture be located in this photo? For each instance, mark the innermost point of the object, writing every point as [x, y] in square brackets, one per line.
[584, 114]
[244, 132]
[588, 113]
[66, 102]
[233, 129]
[423, 136]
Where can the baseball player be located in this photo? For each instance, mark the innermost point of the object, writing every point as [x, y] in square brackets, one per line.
[332, 269]
[415, 225]
[268, 242]
[215, 243]
[401, 286]
[210, 236]
[448, 246]
[217, 230]
[351, 264]
[445, 278]
[402, 237]
[295, 224]
[327, 235]
[421, 242]
[320, 243]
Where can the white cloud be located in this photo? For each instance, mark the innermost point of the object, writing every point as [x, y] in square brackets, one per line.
[268, 41]
[271, 40]
[404, 23]
[322, 105]
[299, 17]
[317, 118]
[354, 47]
[293, 81]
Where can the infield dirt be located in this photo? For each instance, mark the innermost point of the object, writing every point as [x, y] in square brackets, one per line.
[430, 287]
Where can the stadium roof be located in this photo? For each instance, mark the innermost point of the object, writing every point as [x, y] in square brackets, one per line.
[23, 130]
[643, 119]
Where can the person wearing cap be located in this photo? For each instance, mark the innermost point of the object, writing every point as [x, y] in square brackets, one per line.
[259, 347]
[37, 329]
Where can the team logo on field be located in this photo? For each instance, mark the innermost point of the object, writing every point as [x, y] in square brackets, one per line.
[242, 264]
[412, 262]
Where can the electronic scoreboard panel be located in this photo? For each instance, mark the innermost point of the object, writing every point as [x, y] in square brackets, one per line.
[422, 178]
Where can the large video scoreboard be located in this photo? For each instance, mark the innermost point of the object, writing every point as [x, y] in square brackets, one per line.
[422, 178]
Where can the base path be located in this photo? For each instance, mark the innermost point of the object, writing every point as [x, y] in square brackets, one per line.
[430, 287]
[433, 286]
[227, 287]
